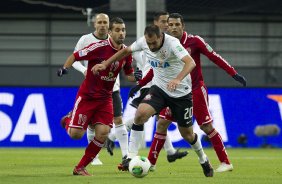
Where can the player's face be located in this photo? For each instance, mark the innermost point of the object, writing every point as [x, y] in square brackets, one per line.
[162, 23]
[175, 27]
[154, 43]
[118, 33]
[101, 25]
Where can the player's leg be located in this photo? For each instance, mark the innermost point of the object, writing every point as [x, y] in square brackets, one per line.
[182, 112]
[120, 129]
[165, 118]
[93, 148]
[204, 120]
[103, 113]
[90, 136]
[158, 143]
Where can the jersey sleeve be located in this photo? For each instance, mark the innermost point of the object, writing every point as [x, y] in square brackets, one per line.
[127, 68]
[137, 45]
[79, 44]
[145, 80]
[178, 49]
[206, 49]
[87, 53]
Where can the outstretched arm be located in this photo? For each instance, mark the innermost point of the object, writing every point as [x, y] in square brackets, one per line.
[116, 57]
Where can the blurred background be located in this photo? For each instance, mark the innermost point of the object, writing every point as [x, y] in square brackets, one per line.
[37, 36]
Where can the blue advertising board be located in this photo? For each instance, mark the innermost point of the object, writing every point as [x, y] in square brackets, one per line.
[29, 117]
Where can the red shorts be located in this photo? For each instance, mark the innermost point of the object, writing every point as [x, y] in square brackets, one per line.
[90, 112]
[200, 107]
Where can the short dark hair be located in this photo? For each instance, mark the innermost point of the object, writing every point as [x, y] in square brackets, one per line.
[158, 14]
[176, 16]
[115, 20]
[152, 30]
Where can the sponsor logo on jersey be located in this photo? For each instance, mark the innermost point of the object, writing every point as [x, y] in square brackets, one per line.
[107, 78]
[82, 53]
[161, 64]
[148, 97]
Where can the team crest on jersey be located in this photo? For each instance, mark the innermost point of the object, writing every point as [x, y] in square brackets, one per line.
[114, 66]
[148, 97]
[163, 54]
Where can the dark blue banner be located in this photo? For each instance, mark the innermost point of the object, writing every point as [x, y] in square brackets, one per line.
[29, 117]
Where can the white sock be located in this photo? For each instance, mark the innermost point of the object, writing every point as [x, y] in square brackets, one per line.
[168, 147]
[197, 146]
[134, 142]
[112, 135]
[90, 135]
[122, 137]
[128, 123]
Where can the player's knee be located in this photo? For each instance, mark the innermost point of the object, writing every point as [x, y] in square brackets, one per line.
[207, 128]
[141, 117]
[75, 133]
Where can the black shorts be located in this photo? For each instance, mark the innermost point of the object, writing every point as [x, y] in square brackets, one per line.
[136, 101]
[117, 103]
[181, 108]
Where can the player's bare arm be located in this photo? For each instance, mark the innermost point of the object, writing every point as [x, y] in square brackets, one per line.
[116, 57]
[188, 67]
[64, 70]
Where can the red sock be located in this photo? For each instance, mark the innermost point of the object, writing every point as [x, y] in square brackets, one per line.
[218, 146]
[157, 145]
[91, 151]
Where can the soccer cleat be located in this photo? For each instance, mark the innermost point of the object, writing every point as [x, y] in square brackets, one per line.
[207, 169]
[152, 168]
[96, 161]
[224, 167]
[124, 164]
[63, 119]
[177, 155]
[80, 171]
[110, 145]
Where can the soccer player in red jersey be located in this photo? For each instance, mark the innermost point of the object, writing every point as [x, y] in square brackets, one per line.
[196, 46]
[93, 105]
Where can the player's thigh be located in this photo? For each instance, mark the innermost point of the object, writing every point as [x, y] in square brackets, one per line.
[200, 106]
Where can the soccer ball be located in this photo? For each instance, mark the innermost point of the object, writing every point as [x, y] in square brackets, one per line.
[139, 166]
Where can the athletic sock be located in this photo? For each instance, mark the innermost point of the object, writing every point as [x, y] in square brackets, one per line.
[122, 137]
[90, 135]
[91, 151]
[157, 145]
[218, 146]
[197, 146]
[168, 147]
[112, 135]
[136, 136]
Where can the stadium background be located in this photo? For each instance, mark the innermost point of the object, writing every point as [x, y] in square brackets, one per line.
[37, 36]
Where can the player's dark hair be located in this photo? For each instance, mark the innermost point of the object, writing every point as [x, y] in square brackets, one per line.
[158, 14]
[152, 30]
[176, 16]
[115, 20]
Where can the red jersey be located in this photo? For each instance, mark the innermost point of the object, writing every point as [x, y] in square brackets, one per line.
[196, 46]
[101, 86]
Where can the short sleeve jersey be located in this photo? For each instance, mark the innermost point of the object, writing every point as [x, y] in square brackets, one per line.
[166, 64]
[101, 85]
[86, 40]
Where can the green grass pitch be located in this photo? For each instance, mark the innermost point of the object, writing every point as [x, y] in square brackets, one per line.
[55, 165]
